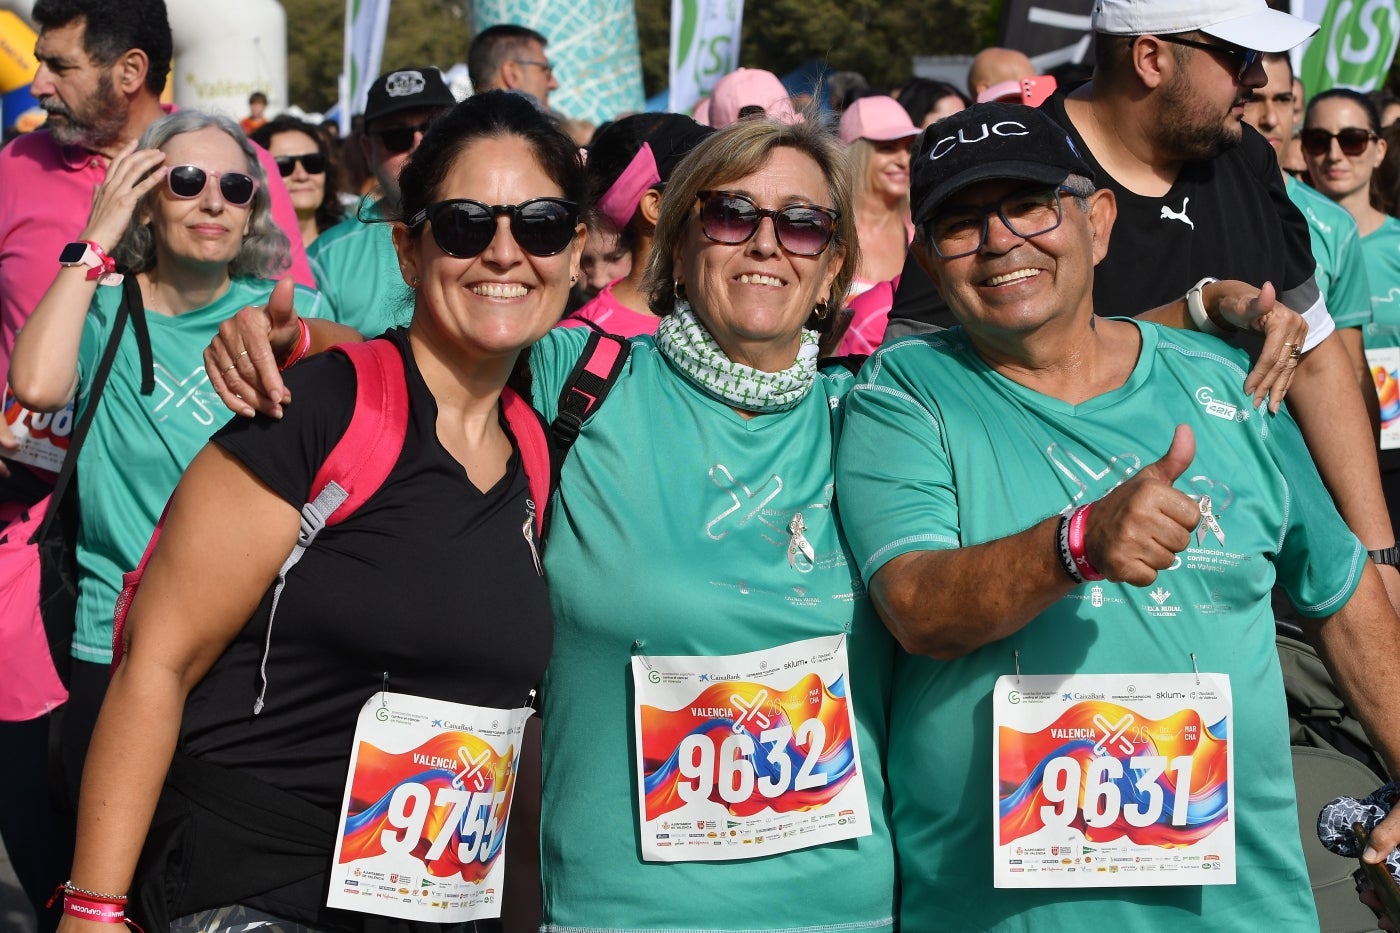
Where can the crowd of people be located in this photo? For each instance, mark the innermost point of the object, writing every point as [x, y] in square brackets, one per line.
[902, 421]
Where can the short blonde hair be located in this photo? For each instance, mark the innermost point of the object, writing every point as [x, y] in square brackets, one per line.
[731, 153]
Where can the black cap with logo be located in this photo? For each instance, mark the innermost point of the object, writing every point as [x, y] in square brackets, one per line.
[989, 141]
[407, 89]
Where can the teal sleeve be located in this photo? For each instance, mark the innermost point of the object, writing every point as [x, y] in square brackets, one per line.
[309, 302]
[894, 478]
[1319, 560]
[1349, 293]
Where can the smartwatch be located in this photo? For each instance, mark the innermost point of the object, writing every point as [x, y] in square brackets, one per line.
[1197, 309]
[100, 266]
[1387, 555]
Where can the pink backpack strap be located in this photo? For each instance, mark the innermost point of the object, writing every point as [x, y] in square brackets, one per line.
[534, 453]
[131, 582]
[589, 382]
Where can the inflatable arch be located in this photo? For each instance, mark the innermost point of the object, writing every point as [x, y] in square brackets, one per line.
[223, 53]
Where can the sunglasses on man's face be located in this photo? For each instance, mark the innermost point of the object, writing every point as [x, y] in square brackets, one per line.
[731, 218]
[397, 139]
[464, 228]
[1352, 141]
[189, 181]
[1245, 58]
[313, 162]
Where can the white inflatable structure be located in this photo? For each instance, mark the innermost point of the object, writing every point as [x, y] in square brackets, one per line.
[224, 51]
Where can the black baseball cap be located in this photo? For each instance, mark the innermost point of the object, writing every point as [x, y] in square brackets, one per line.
[407, 89]
[989, 141]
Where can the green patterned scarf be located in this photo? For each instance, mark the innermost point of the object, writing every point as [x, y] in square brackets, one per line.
[692, 349]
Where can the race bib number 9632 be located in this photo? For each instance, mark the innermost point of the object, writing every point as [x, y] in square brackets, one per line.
[747, 755]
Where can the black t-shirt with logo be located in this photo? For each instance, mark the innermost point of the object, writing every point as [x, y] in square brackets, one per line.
[431, 581]
[1227, 217]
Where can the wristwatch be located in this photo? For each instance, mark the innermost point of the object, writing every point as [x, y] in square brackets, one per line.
[1387, 555]
[1197, 309]
[100, 266]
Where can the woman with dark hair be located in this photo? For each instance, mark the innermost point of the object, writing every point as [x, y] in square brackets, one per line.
[928, 101]
[1344, 148]
[628, 165]
[312, 177]
[405, 606]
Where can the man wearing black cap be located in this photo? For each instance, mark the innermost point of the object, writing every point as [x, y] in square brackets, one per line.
[354, 261]
[1090, 509]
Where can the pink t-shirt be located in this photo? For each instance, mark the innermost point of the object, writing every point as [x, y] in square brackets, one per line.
[612, 316]
[870, 316]
[45, 199]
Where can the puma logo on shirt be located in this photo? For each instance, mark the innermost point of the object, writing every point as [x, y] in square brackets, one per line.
[1169, 214]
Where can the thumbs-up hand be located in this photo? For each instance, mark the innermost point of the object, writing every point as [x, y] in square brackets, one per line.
[1138, 528]
[241, 360]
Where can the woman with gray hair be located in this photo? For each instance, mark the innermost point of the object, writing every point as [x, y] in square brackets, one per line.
[185, 211]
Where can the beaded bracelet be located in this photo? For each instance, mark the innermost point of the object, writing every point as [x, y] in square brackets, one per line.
[71, 888]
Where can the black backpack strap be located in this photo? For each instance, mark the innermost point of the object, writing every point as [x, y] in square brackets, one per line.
[130, 306]
[588, 384]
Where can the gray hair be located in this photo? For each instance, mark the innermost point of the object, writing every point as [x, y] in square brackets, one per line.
[1082, 188]
[265, 252]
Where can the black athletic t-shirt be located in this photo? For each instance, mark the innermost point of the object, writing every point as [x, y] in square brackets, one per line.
[1228, 217]
[431, 581]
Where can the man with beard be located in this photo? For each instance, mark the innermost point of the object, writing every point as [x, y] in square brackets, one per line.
[1202, 196]
[102, 67]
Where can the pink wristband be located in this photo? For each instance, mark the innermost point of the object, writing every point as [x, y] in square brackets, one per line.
[87, 909]
[302, 346]
[1077, 520]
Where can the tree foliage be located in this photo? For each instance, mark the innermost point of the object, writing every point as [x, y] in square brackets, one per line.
[877, 38]
[421, 32]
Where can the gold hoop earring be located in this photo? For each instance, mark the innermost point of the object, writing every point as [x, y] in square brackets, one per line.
[822, 309]
[678, 291]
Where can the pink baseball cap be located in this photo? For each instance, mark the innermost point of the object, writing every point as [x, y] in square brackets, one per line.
[879, 119]
[749, 87]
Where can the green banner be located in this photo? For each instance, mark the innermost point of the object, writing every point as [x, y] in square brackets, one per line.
[592, 45]
[1354, 47]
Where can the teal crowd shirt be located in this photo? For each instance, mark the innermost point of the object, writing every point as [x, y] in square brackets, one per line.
[940, 451]
[140, 444]
[669, 536]
[357, 272]
[1337, 246]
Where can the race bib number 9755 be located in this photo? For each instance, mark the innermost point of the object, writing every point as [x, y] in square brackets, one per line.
[747, 755]
[423, 826]
[1113, 780]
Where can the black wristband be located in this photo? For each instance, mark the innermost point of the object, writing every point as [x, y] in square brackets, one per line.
[1387, 555]
[1062, 550]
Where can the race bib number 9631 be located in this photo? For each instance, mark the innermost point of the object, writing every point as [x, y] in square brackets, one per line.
[1113, 780]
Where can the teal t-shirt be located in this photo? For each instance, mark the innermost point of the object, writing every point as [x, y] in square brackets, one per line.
[1341, 264]
[670, 533]
[1382, 250]
[940, 451]
[357, 272]
[140, 444]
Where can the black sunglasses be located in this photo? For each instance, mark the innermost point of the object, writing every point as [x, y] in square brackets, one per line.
[188, 181]
[398, 139]
[731, 218]
[1352, 141]
[313, 162]
[463, 228]
[1246, 57]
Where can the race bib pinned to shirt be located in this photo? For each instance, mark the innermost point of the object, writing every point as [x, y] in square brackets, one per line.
[42, 436]
[427, 800]
[1113, 780]
[747, 755]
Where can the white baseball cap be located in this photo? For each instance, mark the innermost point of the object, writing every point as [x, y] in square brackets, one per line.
[1249, 24]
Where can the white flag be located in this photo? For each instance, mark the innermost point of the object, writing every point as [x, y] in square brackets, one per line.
[366, 22]
[704, 47]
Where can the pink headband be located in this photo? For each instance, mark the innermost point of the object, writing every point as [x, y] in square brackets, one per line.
[620, 201]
